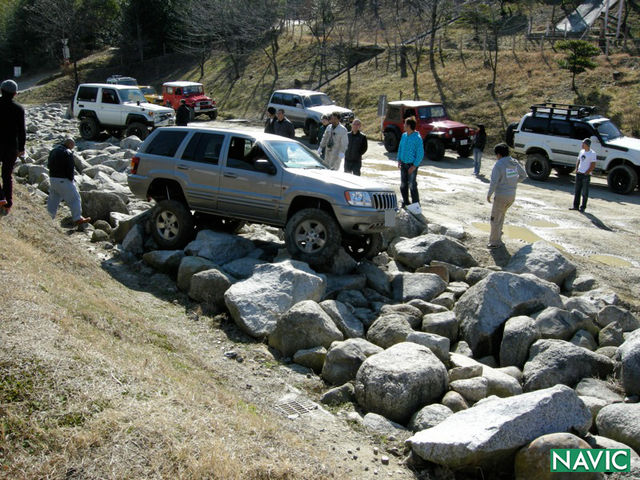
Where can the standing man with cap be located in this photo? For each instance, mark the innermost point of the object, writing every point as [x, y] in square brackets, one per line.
[12, 139]
[356, 147]
[61, 170]
[584, 166]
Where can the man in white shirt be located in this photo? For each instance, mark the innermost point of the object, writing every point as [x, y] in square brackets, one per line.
[335, 142]
[584, 166]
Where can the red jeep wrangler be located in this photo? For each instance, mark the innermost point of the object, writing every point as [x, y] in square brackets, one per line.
[193, 93]
[433, 124]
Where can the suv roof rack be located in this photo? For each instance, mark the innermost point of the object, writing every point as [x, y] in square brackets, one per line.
[567, 110]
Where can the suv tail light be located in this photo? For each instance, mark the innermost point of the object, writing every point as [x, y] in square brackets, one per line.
[135, 161]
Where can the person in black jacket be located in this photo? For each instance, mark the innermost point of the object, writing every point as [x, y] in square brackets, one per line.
[183, 114]
[12, 139]
[478, 147]
[283, 126]
[268, 123]
[356, 147]
[61, 171]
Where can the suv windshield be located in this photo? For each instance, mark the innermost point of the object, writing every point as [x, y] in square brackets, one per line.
[317, 100]
[192, 89]
[131, 95]
[148, 90]
[294, 155]
[608, 130]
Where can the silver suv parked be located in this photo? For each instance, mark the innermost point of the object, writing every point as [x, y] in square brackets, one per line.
[231, 176]
[305, 109]
[551, 135]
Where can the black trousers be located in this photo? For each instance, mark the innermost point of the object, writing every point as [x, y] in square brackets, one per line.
[8, 160]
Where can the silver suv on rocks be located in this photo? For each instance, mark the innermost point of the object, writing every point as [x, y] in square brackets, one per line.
[551, 135]
[228, 177]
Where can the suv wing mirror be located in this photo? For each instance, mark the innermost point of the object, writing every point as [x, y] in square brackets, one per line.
[265, 166]
[299, 105]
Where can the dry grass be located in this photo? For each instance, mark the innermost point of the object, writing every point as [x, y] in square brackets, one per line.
[99, 381]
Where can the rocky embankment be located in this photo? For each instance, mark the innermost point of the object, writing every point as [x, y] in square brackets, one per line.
[475, 366]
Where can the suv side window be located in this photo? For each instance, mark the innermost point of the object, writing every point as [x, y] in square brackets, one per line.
[581, 130]
[87, 94]
[205, 148]
[109, 96]
[287, 99]
[393, 114]
[239, 154]
[297, 100]
[277, 98]
[166, 143]
[560, 128]
[535, 125]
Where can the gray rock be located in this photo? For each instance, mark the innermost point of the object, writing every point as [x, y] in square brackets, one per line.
[456, 273]
[80, 163]
[446, 299]
[376, 278]
[429, 416]
[99, 236]
[134, 241]
[553, 322]
[305, 325]
[582, 304]
[542, 260]
[582, 283]
[208, 286]
[437, 344]
[629, 353]
[472, 389]
[383, 426]
[444, 324]
[219, 247]
[102, 225]
[344, 319]
[553, 362]
[127, 223]
[338, 283]
[98, 159]
[457, 288]
[512, 371]
[621, 422]
[337, 396]
[312, 358]
[610, 352]
[463, 373]
[454, 401]
[626, 320]
[354, 298]
[98, 205]
[342, 263]
[598, 441]
[425, 286]
[500, 383]
[242, 268]
[165, 261]
[462, 348]
[594, 405]
[611, 336]
[94, 170]
[519, 334]
[594, 387]
[130, 143]
[475, 274]
[419, 251]
[427, 307]
[484, 308]
[344, 359]
[532, 460]
[397, 382]
[36, 173]
[389, 330]
[406, 225]
[411, 313]
[493, 430]
[188, 267]
[257, 302]
[584, 339]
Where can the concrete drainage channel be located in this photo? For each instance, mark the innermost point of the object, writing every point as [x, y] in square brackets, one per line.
[295, 408]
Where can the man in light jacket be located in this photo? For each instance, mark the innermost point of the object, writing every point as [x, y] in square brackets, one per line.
[505, 176]
[335, 142]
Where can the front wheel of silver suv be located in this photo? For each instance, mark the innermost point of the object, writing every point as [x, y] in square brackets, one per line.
[172, 225]
[313, 236]
[538, 167]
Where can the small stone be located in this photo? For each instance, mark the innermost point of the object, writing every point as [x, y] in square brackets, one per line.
[384, 460]
[375, 450]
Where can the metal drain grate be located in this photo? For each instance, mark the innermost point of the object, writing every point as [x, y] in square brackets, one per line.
[295, 407]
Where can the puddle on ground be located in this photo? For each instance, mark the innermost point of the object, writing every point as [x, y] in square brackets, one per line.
[610, 260]
[511, 231]
[542, 224]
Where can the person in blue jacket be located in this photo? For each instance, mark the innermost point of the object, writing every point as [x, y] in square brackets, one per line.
[410, 154]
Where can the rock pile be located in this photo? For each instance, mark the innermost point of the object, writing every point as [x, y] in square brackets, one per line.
[475, 366]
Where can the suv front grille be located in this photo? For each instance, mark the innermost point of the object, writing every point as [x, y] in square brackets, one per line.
[384, 201]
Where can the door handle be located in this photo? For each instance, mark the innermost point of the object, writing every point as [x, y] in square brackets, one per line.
[183, 167]
[230, 175]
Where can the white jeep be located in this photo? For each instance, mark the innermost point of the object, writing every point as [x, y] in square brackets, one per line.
[551, 135]
[117, 109]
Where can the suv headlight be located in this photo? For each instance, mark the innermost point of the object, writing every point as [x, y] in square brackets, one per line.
[358, 199]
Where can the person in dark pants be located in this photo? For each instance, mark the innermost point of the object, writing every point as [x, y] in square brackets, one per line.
[12, 140]
[283, 126]
[268, 123]
[410, 155]
[584, 166]
[183, 115]
[479, 143]
[356, 147]
[61, 171]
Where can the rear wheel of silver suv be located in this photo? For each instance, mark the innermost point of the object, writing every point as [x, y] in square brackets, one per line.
[313, 236]
[172, 224]
[538, 167]
[622, 179]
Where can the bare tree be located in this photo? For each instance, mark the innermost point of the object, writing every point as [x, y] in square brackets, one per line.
[321, 22]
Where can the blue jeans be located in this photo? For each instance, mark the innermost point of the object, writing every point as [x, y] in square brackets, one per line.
[408, 183]
[477, 160]
[64, 189]
[582, 187]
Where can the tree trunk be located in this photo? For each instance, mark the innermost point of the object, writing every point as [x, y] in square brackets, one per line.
[403, 61]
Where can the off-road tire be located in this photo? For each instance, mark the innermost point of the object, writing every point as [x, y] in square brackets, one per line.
[464, 151]
[391, 141]
[538, 167]
[434, 149]
[313, 236]
[622, 179]
[213, 115]
[138, 129]
[89, 128]
[362, 246]
[172, 225]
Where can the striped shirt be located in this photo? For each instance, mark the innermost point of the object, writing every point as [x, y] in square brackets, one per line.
[411, 149]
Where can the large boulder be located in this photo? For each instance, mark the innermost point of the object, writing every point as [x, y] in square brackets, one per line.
[419, 251]
[438, 344]
[165, 261]
[376, 278]
[124, 225]
[208, 286]
[541, 260]
[98, 205]
[406, 225]
[493, 430]
[554, 322]
[424, 286]
[621, 316]
[499, 382]
[188, 267]
[621, 422]
[519, 334]
[344, 359]
[256, 303]
[397, 382]
[304, 325]
[389, 329]
[219, 247]
[344, 318]
[556, 361]
[444, 324]
[429, 416]
[483, 309]
[593, 387]
[629, 353]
